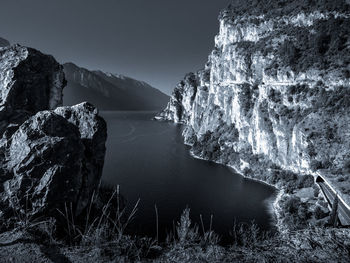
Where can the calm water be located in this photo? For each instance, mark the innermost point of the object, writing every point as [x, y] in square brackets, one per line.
[149, 161]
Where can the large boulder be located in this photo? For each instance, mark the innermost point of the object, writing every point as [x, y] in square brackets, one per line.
[29, 82]
[44, 159]
[49, 156]
[93, 134]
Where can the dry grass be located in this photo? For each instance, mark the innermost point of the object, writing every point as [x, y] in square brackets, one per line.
[102, 236]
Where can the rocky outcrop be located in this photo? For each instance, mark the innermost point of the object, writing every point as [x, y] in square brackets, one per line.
[93, 135]
[275, 87]
[44, 159]
[29, 82]
[49, 156]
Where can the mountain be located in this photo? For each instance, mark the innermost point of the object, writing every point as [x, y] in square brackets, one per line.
[4, 42]
[110, 91]
[274, 94]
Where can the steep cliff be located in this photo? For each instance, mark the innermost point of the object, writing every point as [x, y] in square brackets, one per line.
[276, 89]
[110, 91]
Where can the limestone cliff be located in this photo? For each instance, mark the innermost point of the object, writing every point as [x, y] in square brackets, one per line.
[276, 87]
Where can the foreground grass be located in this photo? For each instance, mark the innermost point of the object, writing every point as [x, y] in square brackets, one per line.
[102, 237]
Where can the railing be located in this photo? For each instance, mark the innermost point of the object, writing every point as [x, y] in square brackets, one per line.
[321, 179]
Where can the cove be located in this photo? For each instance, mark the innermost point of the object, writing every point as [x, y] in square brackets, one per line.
[148, 160]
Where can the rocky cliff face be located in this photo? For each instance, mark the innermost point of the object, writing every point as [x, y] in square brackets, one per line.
[275, 87]
[30, 82]
[49, 155]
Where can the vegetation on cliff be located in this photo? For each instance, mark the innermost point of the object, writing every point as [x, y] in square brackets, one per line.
[278, 8]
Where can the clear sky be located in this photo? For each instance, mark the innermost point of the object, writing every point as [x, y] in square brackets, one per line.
[157, 41]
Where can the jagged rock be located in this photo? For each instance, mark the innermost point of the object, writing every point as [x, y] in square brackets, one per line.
[29, 82]
[45, 158]
[93, 133]
[55, 157]
[49, 156]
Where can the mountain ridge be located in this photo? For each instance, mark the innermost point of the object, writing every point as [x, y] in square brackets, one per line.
[110, 91]
[4, 42]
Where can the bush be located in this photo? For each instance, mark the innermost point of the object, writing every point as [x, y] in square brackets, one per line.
[295, 213]
[319, 213]
[315, 165]
[289, 53]
[305, 181]
[247, 235]
[185, 233]
[292, 205]
[275, 96]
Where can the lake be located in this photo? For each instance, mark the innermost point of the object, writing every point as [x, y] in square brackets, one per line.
[149, 161]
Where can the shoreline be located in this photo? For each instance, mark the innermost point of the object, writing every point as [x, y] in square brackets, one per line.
[273, 206]
[277, 206]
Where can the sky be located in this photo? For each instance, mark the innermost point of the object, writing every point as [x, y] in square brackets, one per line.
[157, 41]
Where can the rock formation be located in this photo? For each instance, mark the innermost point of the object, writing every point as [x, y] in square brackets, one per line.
[276, 86]
[30, 82]
[48, 155]
[93, 135]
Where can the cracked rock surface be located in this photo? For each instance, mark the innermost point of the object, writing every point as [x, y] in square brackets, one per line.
[49, 155]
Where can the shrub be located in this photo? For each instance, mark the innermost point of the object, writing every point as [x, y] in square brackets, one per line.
[305, 181]
[289, 53]
[295, 213]
[319, 213]
[247, 235]
[275, 95]
[315, 165]
[185, 233]
[292, 205]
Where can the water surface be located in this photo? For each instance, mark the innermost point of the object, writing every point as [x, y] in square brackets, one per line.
[149, 161]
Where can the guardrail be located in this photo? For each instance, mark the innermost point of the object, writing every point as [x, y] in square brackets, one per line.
[321, 179]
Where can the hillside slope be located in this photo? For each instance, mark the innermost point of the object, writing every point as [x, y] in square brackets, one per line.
[4, 42]
[109, 91]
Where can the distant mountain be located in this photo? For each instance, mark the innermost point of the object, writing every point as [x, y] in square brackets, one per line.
[110, 91]
[4, 42]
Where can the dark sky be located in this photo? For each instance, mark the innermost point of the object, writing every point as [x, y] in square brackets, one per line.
[157, 41]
